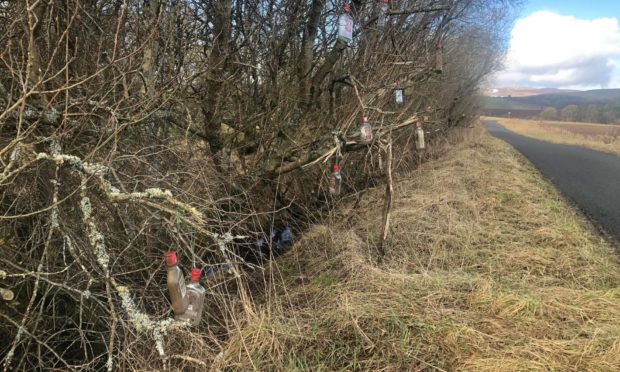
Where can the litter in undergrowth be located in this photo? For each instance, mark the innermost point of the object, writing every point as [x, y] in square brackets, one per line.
[335, 181]
[176, 284]
[420, 145]
[366, 134]
[345, 25]
[265, 248]
[383, 16]
[195, 299]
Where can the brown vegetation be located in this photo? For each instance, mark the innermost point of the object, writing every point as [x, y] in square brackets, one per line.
[130, 127]
[601, 137]
[480, 274]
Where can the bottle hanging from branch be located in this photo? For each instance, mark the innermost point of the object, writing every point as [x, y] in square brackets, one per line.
[196, 299]
[383, 16]
[399, 94]
[345, 25]
[335, 181]
[366, 135]
[176, 284]
[439, 59]
[419, 132]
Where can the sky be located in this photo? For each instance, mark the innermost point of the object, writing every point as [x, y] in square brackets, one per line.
[572, 44]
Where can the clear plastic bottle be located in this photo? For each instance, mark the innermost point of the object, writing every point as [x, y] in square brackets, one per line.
[366, 134]
[382, 20]
[419, 144]
[176, 284]
[345, 25]
[196, 299]
[335, 181]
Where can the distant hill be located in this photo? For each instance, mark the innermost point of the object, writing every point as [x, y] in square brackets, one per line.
[523, 91]
[527, 106]
[579, 98]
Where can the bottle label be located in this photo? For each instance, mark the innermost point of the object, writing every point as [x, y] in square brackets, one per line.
[366, 133]
[398, 95]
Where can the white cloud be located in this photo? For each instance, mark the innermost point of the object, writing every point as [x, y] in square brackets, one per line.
[551, 50]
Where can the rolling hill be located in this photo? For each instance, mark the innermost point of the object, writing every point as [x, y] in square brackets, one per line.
[527, 106]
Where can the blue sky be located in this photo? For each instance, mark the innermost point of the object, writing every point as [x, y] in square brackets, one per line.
[564, 44]
[587, 9]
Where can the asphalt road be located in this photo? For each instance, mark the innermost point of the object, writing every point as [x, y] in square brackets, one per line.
[591, 179]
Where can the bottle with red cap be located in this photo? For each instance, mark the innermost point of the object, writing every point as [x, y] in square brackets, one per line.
[366, 134]
[419, 132]
[335, 181]
[383, 16]
[176, 284]
[196, 299]
[345, 25]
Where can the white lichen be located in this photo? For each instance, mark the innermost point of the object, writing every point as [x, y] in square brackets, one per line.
[95, 237]
[143, 324]
[110, 364]
[158, 193]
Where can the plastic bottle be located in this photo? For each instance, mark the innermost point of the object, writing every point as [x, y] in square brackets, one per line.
[366, 134]
[419, 144]
[345, 25]
[176, 284]
[335, 181]
[196, 299]
[382, 20]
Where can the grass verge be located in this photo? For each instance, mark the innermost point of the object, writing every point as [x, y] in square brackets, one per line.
[601, 137]
[487, 269]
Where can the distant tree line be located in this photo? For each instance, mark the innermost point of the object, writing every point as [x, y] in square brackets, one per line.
[593, 113]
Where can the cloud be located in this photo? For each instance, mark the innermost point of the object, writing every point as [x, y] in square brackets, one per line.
[551, 50]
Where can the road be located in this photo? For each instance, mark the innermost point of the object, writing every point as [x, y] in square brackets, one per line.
[591, 179]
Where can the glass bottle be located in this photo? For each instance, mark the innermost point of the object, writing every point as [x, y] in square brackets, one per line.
[176, 284]
[196, 299]
[420, 145]
[335, 181]
[366, 135]
[382, 20]
[345, 25]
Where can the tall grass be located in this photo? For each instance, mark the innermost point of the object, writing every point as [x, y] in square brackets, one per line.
[601, 137]
[487, 269]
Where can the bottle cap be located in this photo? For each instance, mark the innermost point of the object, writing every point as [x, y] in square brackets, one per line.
[171, 258]
[418, 124]
[364, 119]
[196, 275]
[386, 1]
[336, 167]
[346, 8]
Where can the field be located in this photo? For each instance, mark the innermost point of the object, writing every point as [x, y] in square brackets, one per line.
[601, 137]
[487, 269]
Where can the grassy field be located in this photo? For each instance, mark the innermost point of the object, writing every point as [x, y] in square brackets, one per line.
[601, 137]
[487, 269]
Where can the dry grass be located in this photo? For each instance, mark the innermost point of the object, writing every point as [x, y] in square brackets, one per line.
[487, 269]
[601, 137]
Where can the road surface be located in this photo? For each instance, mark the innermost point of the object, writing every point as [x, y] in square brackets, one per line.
[591, 179]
